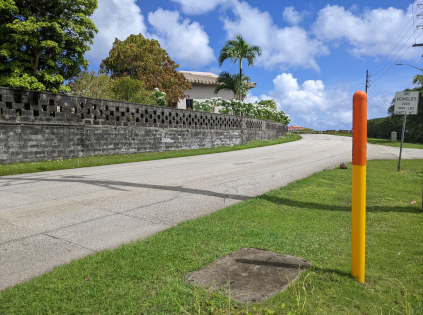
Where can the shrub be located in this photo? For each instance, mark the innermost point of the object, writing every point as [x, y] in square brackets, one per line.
[239, 108]
[209, 105]
[90, 84]
[131, 90]
[159, 97]
[125, 88]
[382, 127]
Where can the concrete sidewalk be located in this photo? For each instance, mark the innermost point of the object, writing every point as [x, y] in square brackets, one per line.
[51, 218]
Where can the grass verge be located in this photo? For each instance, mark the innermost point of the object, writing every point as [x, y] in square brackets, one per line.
[388, 142]
[61, 164]
[395, 144]
[310, 218]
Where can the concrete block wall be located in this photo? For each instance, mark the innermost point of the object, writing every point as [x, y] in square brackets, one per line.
[36, 126]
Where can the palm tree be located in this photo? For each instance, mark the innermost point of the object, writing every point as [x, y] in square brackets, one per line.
[238, 49]
[418, 79]
[229, 82]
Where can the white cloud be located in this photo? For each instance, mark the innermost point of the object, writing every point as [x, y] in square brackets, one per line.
[114, 18]
[310, 96]
[310, 104]
[251, 98]
[185, 41]
[192, 7]
[284, 47]
[292, 16]
[375, 32]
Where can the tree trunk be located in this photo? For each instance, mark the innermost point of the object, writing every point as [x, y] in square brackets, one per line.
[37, 60]
[240, 77]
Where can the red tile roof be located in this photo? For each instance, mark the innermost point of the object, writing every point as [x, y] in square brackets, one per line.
[206, 78]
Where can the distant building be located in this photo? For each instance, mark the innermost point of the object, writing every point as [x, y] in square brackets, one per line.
[203, 86]
[295, 128]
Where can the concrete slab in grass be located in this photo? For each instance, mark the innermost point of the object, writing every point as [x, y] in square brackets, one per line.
[252, 275]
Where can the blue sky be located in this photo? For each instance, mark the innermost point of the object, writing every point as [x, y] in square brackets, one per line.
[315, 53]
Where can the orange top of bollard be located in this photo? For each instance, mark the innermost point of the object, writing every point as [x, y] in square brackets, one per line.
[359, 151]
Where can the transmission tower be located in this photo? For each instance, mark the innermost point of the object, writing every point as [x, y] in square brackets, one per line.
[420, 17]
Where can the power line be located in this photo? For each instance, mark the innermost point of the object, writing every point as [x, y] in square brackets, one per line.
[375, 86]
[393, 43]
[380, 98]
[393, 64]
[394, 56]
[378, 101]
[419, 15]
[381, 95]
[382, 101]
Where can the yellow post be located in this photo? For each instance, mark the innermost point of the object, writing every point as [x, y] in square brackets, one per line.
[359, 185]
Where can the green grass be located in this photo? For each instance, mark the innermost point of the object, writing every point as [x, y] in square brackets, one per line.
[310, 218]
[395, 144]
[61, 164]
[388, 142]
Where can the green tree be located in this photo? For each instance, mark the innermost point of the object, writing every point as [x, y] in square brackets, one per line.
[418, 79]
[229, 82]
[238, 49]
[269, 103]
[131, 90]
[43, 42]
[382, 127]
[90, 84]
[145, 60]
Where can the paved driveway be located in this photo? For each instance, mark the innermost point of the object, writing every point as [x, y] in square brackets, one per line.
[48, 219]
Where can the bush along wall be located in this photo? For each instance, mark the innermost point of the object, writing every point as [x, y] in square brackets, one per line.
[240, 108]
[37, 126]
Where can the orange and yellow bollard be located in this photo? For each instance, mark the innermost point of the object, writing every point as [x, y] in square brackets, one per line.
[359, 162]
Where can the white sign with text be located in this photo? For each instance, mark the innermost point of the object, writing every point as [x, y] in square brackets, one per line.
[406, 103]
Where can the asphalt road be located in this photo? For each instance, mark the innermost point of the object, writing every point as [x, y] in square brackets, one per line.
[51, 218]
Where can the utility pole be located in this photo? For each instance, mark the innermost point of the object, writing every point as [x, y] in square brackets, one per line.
[367, 80]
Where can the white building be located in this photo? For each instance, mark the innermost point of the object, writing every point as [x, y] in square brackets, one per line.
[203, 86]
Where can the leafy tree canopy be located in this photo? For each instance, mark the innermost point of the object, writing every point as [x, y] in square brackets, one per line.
[125, 88]
[43, 42]
[145, 60]
[238, 49]
[269, 103]
[382, 127]
[229, 82]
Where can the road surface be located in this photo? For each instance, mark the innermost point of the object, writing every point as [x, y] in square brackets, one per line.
[51, 218]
